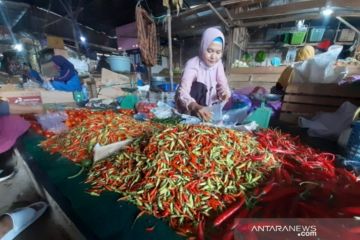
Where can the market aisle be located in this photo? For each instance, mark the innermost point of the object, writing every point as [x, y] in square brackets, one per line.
[20, 191]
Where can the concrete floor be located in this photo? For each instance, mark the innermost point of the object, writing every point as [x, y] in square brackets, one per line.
[22, 190]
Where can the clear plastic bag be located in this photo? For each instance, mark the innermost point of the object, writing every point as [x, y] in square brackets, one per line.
[53, 122]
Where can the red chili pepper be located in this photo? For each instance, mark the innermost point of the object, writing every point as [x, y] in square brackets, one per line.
[150, 229]
[229, 212]
[201, 235]
[355, 211]
[280, 193]
[228, 235]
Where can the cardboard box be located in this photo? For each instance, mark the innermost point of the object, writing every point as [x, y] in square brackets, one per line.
[55, 42]
[61, 52]
[22, 97]
[56, 96]
[112, 78]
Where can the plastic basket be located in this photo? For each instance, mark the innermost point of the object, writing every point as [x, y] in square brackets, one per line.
[261, 116]
[353, 145]
[297, 37]
[347, 35]
[316, 34]
[166, 87]
[286, 38]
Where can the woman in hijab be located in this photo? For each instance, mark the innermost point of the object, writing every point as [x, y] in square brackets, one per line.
[204, 81]
[67, 79]
[286, 76]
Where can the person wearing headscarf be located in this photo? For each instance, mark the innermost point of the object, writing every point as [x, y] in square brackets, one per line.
[67, 78]
[303, 54]
[204, 82]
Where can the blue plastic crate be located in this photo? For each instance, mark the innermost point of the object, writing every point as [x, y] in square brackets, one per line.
[316, 34]
[166, 87]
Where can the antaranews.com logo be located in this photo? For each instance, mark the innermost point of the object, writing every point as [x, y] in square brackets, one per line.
[299, 230]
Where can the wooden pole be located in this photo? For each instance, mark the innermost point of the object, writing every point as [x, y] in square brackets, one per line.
[170, 50]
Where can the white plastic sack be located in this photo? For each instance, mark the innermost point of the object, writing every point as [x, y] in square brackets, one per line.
[330, 125]
[320, 69]
[162, 111]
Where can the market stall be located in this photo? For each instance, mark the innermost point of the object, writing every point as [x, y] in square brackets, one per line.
[124, 159]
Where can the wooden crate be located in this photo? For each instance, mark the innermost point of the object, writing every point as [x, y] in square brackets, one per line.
[306, 99]
[254, 76]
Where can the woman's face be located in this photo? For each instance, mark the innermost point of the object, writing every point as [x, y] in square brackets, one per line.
[213, 54]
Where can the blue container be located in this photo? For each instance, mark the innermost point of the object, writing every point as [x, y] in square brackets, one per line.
[167, 88]
[353, 145]
[316, 34]
[119, 63]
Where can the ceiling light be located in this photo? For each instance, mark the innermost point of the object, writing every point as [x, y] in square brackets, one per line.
[82, 39]
[327, 11]
[18, 47]
[192, 26]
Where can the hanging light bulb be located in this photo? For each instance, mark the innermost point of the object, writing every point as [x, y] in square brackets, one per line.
[327, 11]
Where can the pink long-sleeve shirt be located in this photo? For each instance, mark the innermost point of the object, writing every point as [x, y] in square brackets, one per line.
[213, 77]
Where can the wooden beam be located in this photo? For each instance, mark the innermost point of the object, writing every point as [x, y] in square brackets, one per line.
[296, 7]
[315, 15]
[197, 9]
[240, 3]
[310, 15]
[219, 15]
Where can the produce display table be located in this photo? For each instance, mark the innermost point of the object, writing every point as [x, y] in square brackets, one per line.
[101, 217]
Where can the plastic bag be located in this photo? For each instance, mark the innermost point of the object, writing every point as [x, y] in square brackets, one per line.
[53, 122]
[320, 69]
[330, 125]
[162, 111]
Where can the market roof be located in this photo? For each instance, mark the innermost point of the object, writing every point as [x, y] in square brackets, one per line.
[98, 18]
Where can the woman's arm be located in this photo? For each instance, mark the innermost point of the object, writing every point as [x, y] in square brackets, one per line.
[222, 85]
[187, 80]
[64, 77]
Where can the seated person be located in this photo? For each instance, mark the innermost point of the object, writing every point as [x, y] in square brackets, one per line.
[287, 75]
[102, 64]
[204, 81]
[67, 78]
[29, 73]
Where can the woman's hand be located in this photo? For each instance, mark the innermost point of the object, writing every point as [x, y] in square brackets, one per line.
[223, 95]
[200, 111]
[47, 79]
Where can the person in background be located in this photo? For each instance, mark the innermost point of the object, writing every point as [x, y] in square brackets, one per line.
[286, 76]
[11, 128]
[29, 73]
[204, 82]
[102, 64]
[67, 78]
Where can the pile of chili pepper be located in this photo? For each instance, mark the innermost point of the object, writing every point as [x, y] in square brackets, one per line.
[75, 117]
[184, 173]
[306, 185]
[99, 127]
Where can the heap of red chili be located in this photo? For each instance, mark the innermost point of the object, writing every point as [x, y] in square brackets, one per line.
[306, 185]
[78, 143]
[184, 173]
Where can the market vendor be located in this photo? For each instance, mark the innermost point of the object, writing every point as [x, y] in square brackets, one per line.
[67, 78]
[204, 81]
[30, 73]
[286, 76]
